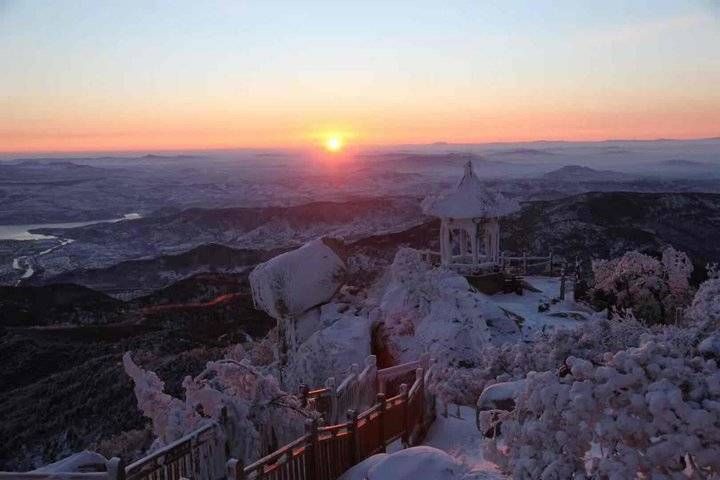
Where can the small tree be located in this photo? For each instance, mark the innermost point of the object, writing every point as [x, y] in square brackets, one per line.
[654, 289]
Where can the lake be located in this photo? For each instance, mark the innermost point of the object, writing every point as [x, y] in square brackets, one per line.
[22, 232]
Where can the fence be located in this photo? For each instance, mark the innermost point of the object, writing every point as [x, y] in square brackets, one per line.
[198, 456]
[525, 264]
[325, 452]
[358, 391]
[112, 470]
[522, 265]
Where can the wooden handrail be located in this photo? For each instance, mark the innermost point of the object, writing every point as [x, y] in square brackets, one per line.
[322, 453]
[114, 470]
[277, 454]
[169, 448]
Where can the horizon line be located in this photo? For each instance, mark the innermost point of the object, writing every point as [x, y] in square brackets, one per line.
[150, 151]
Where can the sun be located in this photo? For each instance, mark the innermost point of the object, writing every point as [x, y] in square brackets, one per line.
[334, 144]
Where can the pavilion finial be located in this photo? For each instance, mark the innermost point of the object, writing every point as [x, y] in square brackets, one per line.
[468, 168]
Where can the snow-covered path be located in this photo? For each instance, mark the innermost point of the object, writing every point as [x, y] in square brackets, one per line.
[460, 438]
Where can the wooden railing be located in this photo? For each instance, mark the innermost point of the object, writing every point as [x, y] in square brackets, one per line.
[524, 264]
[199, 455]
[324, 452]
[110, 470]
[358, 391]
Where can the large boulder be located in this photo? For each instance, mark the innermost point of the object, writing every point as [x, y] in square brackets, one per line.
[294, 282]
[410, 464]
[341, 337]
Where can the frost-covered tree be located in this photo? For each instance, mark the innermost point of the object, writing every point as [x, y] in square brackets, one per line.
[259, 415]
[654, 289]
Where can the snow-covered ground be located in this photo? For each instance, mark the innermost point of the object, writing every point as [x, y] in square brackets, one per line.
[459, 437]
[563, 314]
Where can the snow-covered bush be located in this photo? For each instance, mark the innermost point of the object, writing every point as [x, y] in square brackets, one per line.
[512, 361]
[645, 412]
[654, 289]
[705, 307]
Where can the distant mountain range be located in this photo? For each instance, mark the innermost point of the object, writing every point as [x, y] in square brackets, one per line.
[578, 173]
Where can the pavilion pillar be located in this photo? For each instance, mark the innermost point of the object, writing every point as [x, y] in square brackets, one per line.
[488, 241]
[445, 247]
[474, 244]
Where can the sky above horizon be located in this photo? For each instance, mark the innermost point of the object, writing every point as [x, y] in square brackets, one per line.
[139, 74]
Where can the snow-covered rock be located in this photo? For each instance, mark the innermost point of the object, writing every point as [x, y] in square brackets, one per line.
[711, 345]
[410, 464]
[341, 339]
[425, 309]
[500, 395]
[84, 461]
[295, 281]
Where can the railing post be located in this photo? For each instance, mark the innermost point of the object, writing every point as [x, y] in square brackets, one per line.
[354, 388]
[562, 283]
[302, 393]
[405, 417]
[550, 263]
[311, 429]
[116, 469]
[352, 416]
[524, 262]
[420, 373]
[235, 470]
[381, 419]
[332, 390]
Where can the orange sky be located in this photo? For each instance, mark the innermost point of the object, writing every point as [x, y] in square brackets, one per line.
[132, 76]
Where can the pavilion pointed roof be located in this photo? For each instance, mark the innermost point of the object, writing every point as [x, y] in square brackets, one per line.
[470, 199]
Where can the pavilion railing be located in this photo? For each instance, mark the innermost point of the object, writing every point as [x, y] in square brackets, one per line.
[518, 264]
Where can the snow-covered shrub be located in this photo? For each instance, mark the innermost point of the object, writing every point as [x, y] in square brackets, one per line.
[512, 361]
[644, 412]
[705, 307]
[654, 289]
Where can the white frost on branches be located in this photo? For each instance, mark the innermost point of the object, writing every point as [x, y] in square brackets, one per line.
[648, 411]
[705, 307]
[260, 416]
[653, 288]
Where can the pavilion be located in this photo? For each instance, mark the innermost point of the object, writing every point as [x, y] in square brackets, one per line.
[469, 229]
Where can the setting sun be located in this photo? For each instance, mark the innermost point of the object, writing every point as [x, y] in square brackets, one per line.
[334, 144]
